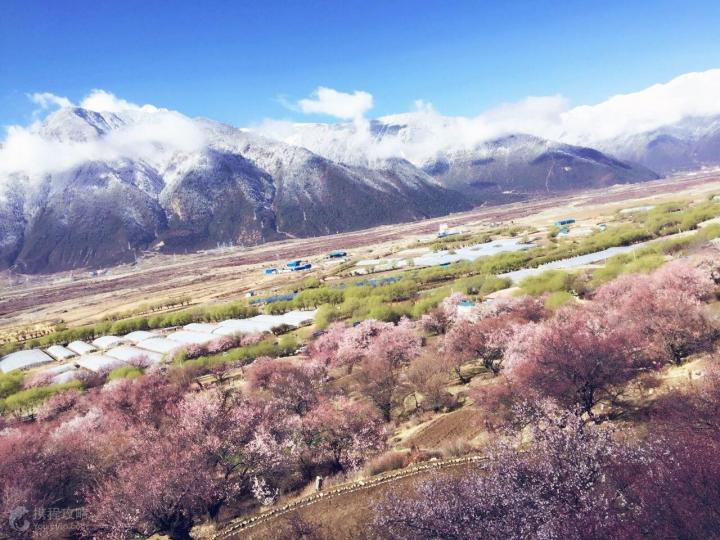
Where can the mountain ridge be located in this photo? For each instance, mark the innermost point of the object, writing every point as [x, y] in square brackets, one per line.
[123, 182]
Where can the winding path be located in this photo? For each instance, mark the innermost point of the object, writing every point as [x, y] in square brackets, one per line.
[238, 525]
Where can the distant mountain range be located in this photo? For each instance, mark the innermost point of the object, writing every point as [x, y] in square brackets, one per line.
[113, 189]
[689, 144]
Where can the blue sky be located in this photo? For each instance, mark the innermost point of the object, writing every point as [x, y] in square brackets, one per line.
[232, 61]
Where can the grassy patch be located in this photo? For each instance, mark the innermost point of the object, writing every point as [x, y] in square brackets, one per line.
[124, 372]
[26, 400]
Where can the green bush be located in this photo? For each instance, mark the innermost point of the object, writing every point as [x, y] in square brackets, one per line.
[642, 261]
[26, 400]
[558, 299]
[325, 315]
[550, 281]
[124, 372]
[10, 383]
[287, 345]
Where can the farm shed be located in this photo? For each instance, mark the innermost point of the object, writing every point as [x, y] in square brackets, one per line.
[201, 327]
[62, 373]
[263, 323]
[24, 360]
[186, 337]
[65, 376]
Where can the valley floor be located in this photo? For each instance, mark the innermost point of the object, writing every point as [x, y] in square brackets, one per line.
[42, 302]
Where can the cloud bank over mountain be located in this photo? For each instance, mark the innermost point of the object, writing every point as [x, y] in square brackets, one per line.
[100, 181]
[43, 148]
[426, 131]
[418, 136]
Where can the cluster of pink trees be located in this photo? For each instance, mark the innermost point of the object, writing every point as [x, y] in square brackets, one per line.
[570, 479]
[151, 454]
[585, 354]
[222, 344]
[379, 349]
[486, 338]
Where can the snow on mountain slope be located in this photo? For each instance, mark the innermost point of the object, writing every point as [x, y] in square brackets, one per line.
[688, 144]
[460, 156]
[99, 187]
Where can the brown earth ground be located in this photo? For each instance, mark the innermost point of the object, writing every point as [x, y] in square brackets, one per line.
[345, 516]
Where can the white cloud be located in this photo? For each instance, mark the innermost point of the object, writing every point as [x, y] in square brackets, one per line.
[689, 95]
[47, 100]
[338, 104]
[427, 132]
[102, 101]
[146, 132]
[152, 133]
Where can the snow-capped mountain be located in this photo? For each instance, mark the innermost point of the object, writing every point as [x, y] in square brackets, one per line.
[482, 164]
[106, 186]
[688, 144]
[85, 188]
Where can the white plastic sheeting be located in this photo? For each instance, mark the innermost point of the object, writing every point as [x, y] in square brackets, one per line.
[24, 360]
[572, 262]
[186, 337]
[473, 252]
[149, 344]
[62, 373]
[99, 362]
[105, 342]
[80, 347]
[201, 327]
[56, 370]
[65, 376]
[159, 344]
[126, 353]
[263, 323]
[58, 352]
[139, 335]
